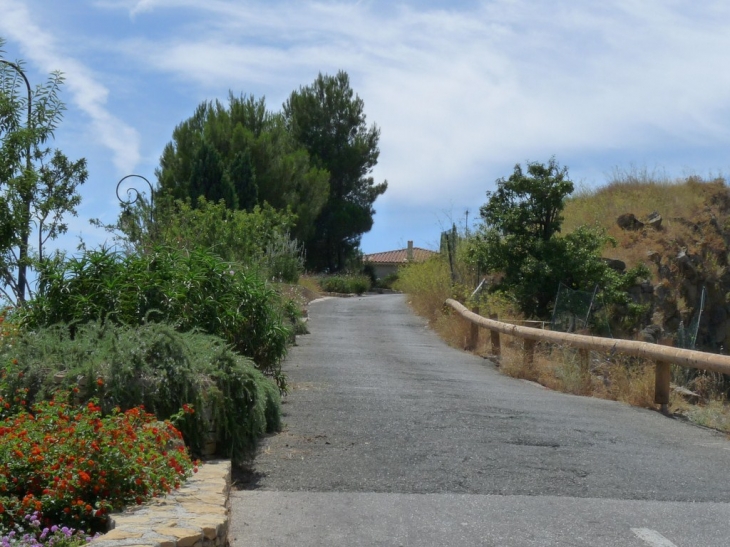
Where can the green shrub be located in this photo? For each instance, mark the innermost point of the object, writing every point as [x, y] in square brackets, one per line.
[345, 284]
[283, 259]
[428, 284]
[150, 365]
[195, 290]
[259, 239]
[388, 281]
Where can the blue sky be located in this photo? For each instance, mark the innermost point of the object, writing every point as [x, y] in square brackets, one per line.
[461, 90]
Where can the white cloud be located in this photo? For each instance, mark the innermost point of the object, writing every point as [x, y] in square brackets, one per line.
[90, 96]
[456, 89]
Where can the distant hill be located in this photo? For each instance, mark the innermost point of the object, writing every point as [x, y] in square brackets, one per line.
[681, 231]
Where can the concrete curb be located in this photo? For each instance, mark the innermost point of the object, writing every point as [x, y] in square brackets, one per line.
[196, 515]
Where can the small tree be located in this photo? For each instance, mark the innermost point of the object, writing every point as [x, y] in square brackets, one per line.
[519, 238]
[37, 185]
[529, 204]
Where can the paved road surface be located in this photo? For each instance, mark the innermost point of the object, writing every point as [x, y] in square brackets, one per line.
[394, 439]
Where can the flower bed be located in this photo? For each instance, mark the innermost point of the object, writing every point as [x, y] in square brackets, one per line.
[66, 465]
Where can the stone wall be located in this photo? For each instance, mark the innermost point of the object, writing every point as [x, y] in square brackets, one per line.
[196, 515]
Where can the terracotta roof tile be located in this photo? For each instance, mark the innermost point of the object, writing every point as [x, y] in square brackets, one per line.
[399, 256]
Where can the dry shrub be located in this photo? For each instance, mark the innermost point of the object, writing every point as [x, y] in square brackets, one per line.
[556, 368]
[513, 363]
[562, 371]
[559, 368]
[705, 384]
[452, 329]
[428, 285]
[628, 380]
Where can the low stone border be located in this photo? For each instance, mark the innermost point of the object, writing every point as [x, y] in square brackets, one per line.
[196, 515]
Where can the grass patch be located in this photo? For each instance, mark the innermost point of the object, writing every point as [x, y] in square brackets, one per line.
[714, 414]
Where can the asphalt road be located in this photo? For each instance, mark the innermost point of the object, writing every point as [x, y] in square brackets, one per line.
[393, 438]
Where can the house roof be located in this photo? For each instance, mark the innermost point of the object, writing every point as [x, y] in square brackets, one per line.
[400, 256]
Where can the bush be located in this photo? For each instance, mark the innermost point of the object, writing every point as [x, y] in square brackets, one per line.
[388, 281]
[259, 239]
[195, 290]
[428, 284]
[65, 464]
[155, 366]
[345, 284]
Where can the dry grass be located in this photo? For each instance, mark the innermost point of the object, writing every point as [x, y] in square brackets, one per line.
[452, 330]
[683, 204]
[560, 369]
[309, 287]
[628, 382]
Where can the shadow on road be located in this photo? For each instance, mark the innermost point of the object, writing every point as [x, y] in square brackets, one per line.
[245, 477]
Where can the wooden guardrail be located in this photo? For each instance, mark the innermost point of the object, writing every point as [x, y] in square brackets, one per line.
[663, 356]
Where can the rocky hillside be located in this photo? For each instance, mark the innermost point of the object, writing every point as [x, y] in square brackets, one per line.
[681, 231]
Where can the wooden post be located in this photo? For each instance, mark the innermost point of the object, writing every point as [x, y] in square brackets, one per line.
[528, 357]
[473, 333]
[494, 335]
[661, 385]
